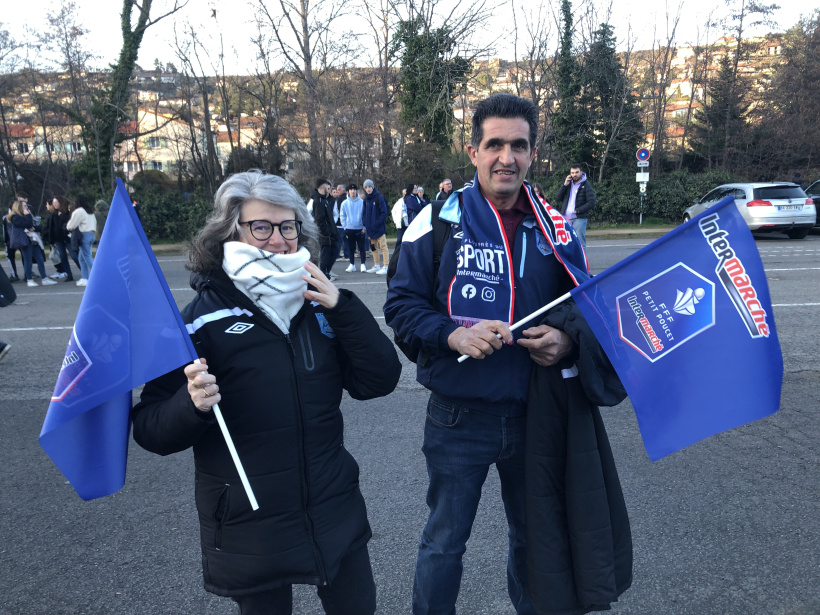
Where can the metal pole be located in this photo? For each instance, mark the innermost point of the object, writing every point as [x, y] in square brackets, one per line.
[640, 220]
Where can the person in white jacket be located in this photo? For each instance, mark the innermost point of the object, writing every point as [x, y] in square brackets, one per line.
[399, 215]
[84, 220]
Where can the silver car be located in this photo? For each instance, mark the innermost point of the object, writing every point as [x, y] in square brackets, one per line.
[765, 207]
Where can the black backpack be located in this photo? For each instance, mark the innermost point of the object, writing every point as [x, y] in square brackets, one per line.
[441, 232]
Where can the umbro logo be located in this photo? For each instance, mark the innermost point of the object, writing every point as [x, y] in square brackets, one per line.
[239, 327]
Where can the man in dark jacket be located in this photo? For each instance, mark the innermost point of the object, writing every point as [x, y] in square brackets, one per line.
[501, 238]
[412, 202]
[375, 213]
[446, 190]
[322, 206]
[577, 199]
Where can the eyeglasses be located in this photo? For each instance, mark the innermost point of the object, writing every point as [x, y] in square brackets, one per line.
[262, 229]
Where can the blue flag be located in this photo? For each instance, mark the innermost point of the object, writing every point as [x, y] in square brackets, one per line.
[687, 323]
[128, 331]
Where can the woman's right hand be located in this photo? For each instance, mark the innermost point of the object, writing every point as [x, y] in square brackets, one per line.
[202, 386]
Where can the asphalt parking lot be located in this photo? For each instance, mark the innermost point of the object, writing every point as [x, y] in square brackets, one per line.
[729, 526]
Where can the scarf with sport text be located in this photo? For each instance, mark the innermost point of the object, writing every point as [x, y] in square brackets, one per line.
[272, 281]
[484, 287]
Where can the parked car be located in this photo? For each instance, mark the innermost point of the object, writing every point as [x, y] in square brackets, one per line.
[813, 193]
[768, 207]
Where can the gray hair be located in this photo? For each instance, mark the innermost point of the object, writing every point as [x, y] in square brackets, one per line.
[206, 253]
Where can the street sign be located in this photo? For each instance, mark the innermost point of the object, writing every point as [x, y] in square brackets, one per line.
[643, 188]
[642, 177]
[643, 163]
[642, 154]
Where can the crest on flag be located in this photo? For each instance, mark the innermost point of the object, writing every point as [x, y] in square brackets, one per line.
[663, 312]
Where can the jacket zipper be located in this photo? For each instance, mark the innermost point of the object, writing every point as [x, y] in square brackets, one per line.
[303, 458]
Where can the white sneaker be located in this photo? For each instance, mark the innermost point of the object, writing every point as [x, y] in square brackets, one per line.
[48, 282]
[332, 276]
[56, 276]
[364, 268]
[350, 268]
[82, 282]
[32, 283]
[382, 271]
[373, 269]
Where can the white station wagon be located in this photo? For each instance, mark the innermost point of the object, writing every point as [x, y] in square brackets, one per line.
[765, 207]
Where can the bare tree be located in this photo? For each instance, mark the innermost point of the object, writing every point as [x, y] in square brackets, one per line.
[304, 33]
[535, 73]
[697, 72]
[658, 77]
[190, 52]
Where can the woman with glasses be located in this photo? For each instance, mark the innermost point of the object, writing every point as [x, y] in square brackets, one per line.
[278, 344]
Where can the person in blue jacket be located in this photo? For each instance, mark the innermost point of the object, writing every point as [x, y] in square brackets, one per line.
[375, 213]
[412, 202]
[508, 254]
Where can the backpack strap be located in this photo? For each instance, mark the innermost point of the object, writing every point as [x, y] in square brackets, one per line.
[441, 233]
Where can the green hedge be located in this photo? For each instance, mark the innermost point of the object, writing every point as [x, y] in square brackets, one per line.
[172, 216]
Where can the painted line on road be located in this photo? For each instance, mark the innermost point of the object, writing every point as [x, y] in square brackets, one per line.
[24, 329]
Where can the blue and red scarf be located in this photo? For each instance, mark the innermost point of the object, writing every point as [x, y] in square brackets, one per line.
[483, 287]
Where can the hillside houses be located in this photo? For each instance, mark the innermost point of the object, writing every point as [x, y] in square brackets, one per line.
[167, 132]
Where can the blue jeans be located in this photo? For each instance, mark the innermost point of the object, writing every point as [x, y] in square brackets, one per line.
[460, 445]
[580, 226]
[342, 243]
[29, 252]
[86, 261]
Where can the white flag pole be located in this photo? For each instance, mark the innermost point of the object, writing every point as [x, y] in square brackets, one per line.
[537, 312]
[229, 441]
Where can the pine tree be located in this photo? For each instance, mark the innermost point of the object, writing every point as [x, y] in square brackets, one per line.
[430, 77]
[614, 125]
[569, 123]
[720, 127]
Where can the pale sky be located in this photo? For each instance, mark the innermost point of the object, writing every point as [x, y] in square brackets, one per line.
[101, 17]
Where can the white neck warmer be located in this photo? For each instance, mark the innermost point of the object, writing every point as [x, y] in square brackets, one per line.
[272, 281]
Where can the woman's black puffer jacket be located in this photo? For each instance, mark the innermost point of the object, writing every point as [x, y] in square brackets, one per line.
[280, 401]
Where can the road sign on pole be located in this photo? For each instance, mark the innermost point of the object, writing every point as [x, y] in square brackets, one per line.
[642, 154]
[643, 163]
[642, 177]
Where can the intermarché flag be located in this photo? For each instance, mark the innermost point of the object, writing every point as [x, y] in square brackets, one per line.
[128, 331]
[687, 323]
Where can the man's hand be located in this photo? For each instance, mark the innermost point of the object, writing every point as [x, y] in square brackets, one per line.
[568, 180]
[481, 339]
[547, 346]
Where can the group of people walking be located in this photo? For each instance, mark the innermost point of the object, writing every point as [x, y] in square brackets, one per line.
[351, 220]
[69, 228]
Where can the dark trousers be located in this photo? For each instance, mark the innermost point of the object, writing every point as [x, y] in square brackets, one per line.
[355, 238]
[328, 256]
[11, 255]
[352, 592]
[64, 263]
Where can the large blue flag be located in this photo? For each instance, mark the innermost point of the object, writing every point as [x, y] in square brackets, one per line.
[128, 331]
[687, 322]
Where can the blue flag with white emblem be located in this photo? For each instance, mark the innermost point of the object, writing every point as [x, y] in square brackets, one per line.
[128, 331]
[687, 323]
